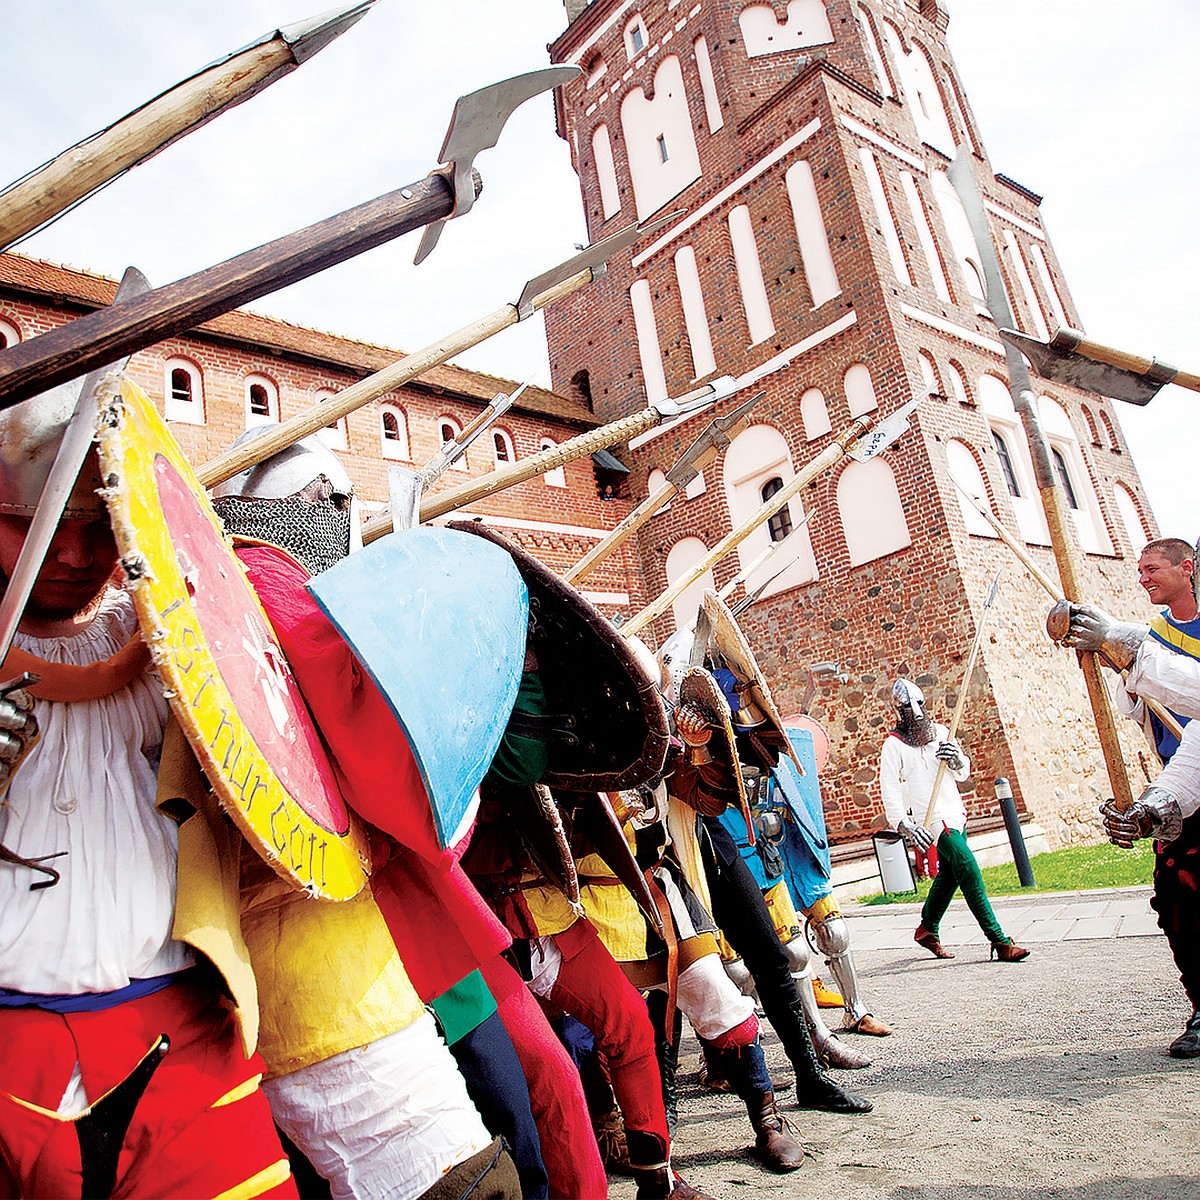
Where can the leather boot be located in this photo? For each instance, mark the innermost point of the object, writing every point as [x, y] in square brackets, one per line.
[1008, 951]
[830, 1051]
[663, 1183]
[923, 937]
[774, 1143]
[667, 1053]
[712, 1070]
[814, 1089]
[1187, 1044]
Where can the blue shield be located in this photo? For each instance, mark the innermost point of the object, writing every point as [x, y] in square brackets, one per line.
[438, 620]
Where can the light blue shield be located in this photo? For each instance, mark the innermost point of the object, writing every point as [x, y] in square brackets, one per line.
[438, 620]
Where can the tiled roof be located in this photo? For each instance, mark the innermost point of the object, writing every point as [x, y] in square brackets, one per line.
[38, 278]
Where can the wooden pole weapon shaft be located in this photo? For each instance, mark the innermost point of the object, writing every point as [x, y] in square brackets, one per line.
[317, 416]
[826, 459]
[1054, 592]
[959, 706]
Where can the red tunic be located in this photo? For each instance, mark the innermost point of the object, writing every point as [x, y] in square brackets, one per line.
[442, 928]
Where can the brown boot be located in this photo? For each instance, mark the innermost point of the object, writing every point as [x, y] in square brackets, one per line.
[1008, 951]
[930, 941]
[775, 1146]
[870, 1025]
[834, 1054]
[662, 1183]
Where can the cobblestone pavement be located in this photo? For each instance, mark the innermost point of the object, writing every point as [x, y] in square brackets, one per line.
[1026, 1081]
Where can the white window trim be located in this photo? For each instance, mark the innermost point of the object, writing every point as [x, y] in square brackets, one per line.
[506, 438]
[271, 417]
[444, 422]
[186, 412]
[556, 476]
[337, 437]
[12, 335]
[397, 450]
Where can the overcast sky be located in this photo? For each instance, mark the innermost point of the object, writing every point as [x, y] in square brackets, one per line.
[1091, 103]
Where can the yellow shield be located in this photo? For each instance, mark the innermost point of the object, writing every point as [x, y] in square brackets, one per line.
[225, 677]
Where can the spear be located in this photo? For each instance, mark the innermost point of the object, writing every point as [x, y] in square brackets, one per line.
[560, 455]
[751, 597]
[715, 437]
[862, 439]
[45, 193]
[961, 703]
[544, 289]
[70, 350]
[1055, 593]
[1020, 386]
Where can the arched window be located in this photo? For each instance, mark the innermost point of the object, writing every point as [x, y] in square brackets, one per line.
[929, 246]
[756, 465]
[1090, 422]
[646, 329]
[962, 240]
[448, 431]
[695, 316]
[393, 433]
[860, 392]
[814, 415]
[660, 145]
[887, 85]
[502, 447]
[1131, 518]
[183, 390]
[807, 24]
[757, 307]
[335, 435]
[1071, 472]
[872, 516]
[8, 335]
[556, 476]
[708, 86]
[262, 401]
[883, 215]
[682, 556]
[1013, 461]
[779, 525]
[606, 172]
[964, 470]
[1004, 454]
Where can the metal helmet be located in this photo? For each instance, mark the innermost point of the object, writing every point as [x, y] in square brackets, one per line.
[646, 659]
[906, 694]
[301, 498]
[30, 435]
[675, 654]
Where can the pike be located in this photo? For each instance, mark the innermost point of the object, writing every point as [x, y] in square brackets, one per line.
[752, 597]
[1055, 593]
[565, 452]
[961, 703]
[715, 438]
[538, 292]
[1020, 386]
[406, 487]
[861, 440]
[1070, 357]
[64, 471]
[47, 192]
[70, 350]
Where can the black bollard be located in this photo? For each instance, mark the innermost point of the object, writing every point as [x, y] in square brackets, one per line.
[1016, 839]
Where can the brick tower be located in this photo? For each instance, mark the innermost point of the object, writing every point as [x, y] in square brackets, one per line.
[803, 147]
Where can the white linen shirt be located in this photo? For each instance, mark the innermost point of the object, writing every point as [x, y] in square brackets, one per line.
[906, 777]
[88, 787]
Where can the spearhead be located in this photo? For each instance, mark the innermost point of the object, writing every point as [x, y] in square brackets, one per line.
[884, 434]
[306, 38]
[716, 436]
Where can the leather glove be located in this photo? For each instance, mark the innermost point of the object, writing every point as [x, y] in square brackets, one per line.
[1092, 629]
[1155, 813]
[18, 731]
[918, 835]
[951, 754]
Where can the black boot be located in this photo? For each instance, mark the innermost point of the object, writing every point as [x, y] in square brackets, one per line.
[814, 1089]
[667, 1053]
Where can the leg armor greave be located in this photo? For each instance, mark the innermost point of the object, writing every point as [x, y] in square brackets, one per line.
[830, 936]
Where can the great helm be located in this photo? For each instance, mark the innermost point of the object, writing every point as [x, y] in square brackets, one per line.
[30, 435]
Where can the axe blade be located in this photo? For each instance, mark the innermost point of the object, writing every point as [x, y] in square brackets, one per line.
[1061, 365]
[883, 434]
[716, 434]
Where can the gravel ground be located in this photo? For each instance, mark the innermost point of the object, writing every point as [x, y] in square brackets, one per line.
[1048, 1078]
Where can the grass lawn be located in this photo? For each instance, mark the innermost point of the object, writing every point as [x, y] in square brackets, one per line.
[1074, 869]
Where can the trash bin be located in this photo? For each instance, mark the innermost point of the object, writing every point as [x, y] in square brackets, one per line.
[891, 853]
